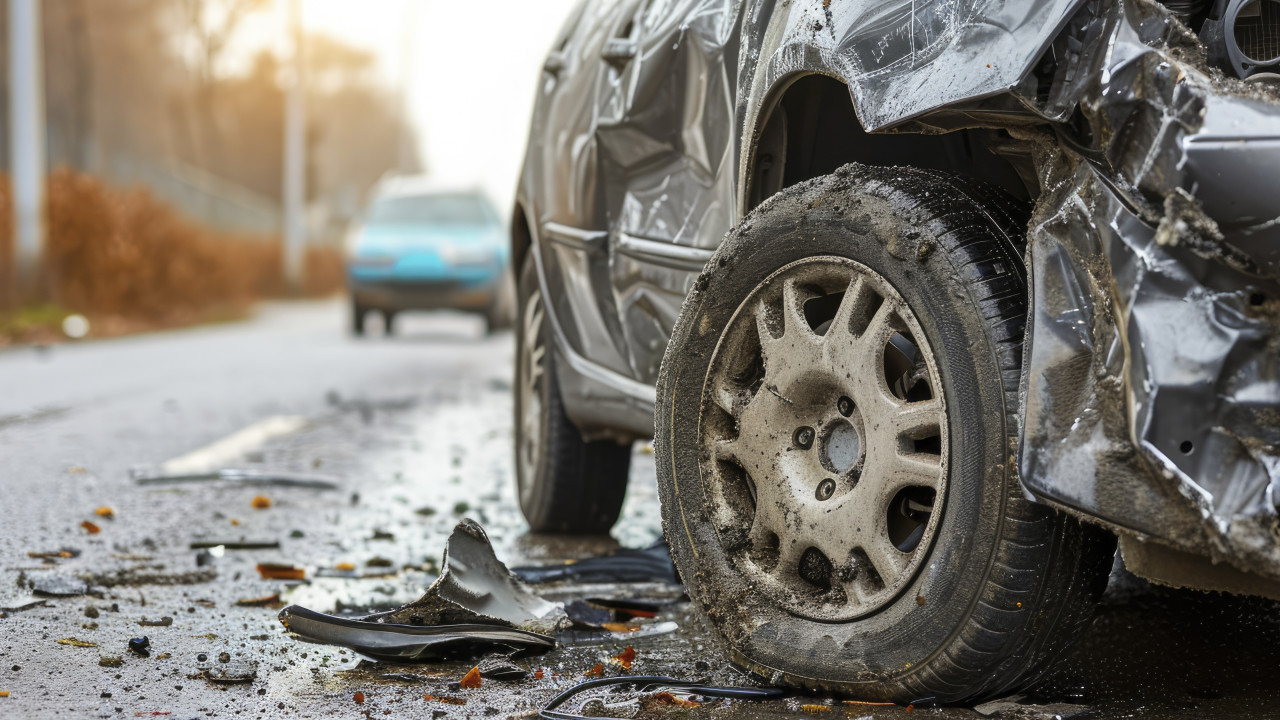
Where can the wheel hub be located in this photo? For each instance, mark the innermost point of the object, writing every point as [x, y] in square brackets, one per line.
[824, 436]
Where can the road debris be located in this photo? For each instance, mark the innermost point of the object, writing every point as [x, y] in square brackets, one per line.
[625, 658]
[260, 502]
[111, 661]
[664, 687]
[275, 571]
[241, 544]
[243, 478]
[165, 621]
[6, 612]
[471, 680]
[401, 642]
[1016, 707]
[272, 600]
[75, 642]
[226, 672]
[500, 668]
[627, 565]
[63, 554]
[105, 512]
[140, 646]
[56, 584]
[90, 528]
[157, 575]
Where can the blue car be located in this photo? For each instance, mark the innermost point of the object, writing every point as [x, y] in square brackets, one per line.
[420, 248]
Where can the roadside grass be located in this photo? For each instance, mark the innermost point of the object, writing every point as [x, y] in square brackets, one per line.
[130, 262]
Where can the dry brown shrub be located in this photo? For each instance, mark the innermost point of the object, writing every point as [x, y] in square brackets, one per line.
[125, 253]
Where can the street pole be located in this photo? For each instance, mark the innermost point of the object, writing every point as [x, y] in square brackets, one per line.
[26, 152]
[295, 162]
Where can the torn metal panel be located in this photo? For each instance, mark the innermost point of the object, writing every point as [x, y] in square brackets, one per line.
[395, 641]
[1152, 374]
[475, 604]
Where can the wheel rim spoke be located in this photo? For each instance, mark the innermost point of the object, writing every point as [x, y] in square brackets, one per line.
[840, 356]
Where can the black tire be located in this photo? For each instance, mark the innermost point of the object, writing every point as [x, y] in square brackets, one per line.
[569, 485]
[358, 315]
[1006, 581]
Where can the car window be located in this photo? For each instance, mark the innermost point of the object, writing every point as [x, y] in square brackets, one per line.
[435, 209]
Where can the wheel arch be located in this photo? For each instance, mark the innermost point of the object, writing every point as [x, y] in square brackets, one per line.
[521, 235]
[808, 126]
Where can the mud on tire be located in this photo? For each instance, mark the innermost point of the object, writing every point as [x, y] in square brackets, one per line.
[1000, 583]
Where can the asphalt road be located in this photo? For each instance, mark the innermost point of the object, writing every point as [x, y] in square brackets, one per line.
[416, 430]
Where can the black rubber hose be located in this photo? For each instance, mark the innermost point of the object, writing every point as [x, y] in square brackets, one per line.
[650, 682]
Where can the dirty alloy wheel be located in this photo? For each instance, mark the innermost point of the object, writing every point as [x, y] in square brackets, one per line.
[565, 483]
[835, 430]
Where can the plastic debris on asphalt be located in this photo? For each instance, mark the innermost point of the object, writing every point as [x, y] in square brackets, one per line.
[478, 605]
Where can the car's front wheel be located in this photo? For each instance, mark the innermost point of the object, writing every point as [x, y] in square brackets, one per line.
[565, 484]
[836, 429]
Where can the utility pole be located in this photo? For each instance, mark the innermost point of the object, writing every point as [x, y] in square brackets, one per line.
[405, 149]
[295, 156]
[26, 151]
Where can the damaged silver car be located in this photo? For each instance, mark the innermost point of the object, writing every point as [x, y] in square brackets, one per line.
[939, 298]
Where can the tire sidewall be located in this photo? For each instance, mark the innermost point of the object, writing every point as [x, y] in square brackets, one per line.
[536, 493]
[900, 639]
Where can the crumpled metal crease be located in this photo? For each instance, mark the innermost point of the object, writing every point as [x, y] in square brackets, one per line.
[1152, 372]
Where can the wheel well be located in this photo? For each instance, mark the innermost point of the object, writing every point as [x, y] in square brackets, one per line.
[812, 129]
[521, 238]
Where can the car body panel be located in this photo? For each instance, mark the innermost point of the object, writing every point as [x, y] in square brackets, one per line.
[1152, 251]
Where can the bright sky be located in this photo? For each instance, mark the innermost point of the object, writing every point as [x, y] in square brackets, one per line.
[472, 68]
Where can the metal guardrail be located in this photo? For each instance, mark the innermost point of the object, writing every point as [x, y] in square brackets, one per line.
[212, 200]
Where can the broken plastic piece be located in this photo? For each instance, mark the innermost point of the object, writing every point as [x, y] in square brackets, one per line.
[273, 571]
[394, 641]
[260, 502]
[90, 528]
[652, 564]
[471, 680]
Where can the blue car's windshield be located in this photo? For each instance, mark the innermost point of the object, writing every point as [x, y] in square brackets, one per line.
[436, 209]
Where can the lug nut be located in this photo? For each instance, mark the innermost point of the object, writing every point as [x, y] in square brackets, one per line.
[845, 406]
[804, 437]
[826, 489]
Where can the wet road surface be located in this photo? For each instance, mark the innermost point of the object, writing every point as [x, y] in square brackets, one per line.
[416, 431]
